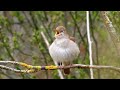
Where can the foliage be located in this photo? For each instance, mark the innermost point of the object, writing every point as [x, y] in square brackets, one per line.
[20, 40]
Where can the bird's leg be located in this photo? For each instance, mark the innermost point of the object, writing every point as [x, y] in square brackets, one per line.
[59, 63]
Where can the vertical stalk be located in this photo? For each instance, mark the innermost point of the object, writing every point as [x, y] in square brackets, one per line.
[90, 44]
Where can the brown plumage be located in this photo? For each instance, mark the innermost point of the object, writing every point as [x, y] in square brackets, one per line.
[67, 71]
[72, 38]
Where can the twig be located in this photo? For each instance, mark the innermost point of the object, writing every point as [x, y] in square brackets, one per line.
[43, 24]
[33, 69]
[94, 39]
[36, 26]
[77, 26]
[47, 43]
[114, 36]
[6, 46]
[90, 44]
[45, 39]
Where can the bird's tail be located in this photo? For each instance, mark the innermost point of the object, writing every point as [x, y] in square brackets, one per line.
[67, 71]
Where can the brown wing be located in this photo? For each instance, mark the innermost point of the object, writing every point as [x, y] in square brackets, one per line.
[72, 38]
[66, 71]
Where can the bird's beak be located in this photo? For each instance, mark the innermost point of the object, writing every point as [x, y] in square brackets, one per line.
[56, 32]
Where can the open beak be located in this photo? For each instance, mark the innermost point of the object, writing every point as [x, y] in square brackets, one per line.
[56, 33]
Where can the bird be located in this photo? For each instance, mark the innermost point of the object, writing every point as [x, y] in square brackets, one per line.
[63, 49]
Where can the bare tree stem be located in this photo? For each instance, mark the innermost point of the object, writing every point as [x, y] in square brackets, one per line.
[114, 35]
[90, 44]
[47, 43]
[33, 69]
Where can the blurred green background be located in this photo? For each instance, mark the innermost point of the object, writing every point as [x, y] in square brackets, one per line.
[21, 40]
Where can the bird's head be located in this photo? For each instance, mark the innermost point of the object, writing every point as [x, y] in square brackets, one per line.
[60, 32]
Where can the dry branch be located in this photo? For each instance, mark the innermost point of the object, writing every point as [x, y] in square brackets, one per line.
[33, 69]
[90, 43]
[114, 35]
[47, 43]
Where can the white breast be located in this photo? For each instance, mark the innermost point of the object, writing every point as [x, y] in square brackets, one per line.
[64, 50]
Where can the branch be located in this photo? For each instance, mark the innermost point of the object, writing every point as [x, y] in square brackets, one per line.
[114, 35]
[77, 26]
[33, 69]
[45, 39]
[47, 43]
[6, 46]
[90, 44]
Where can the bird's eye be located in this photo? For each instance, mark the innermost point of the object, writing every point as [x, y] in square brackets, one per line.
[62, 31]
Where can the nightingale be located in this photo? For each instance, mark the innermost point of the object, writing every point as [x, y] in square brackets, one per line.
[63, 50]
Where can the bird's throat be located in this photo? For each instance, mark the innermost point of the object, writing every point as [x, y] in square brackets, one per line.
[62, 42]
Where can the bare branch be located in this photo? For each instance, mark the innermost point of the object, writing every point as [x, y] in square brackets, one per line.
[47, 43]
[90, 44]
[33, 69]
[45, 39]
[114, 35]
[76, 26]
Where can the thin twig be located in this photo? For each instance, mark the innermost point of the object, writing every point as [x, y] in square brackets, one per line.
[45, 39]
[46, 28]
[6, 46]
[36, 26]
[47, 43]
[33, 69]
[76, 26]
[114, 35]
[94, 39]
[90, 44]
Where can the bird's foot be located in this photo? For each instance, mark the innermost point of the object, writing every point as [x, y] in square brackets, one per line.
[59, 63]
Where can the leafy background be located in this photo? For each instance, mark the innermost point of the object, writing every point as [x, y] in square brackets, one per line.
[20, 40]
